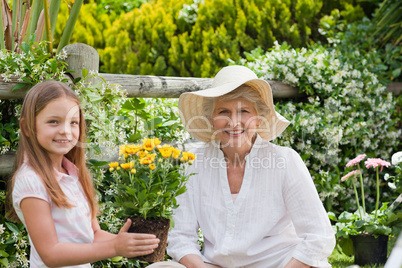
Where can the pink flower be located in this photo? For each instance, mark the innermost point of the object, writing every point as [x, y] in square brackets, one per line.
[375, 162]
[356, 160]
[344, 178]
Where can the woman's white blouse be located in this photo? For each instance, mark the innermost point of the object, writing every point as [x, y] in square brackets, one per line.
[277, 214]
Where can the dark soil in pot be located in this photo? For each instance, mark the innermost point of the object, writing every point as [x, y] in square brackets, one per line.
[158, 227]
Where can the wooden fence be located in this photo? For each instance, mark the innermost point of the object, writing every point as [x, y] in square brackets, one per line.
[81, 56]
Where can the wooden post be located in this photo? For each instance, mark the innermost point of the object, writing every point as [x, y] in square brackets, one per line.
[7, 163]
[81, 56]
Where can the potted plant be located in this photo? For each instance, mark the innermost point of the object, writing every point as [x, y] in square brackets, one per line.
[149, 177]
[366, 234]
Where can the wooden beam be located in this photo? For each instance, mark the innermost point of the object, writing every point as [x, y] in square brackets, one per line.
[148, 86]
[395, 87]
[6, 90]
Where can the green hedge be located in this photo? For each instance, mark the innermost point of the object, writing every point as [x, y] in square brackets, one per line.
[184, 38]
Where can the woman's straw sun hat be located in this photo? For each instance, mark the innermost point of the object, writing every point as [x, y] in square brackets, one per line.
[226, 80]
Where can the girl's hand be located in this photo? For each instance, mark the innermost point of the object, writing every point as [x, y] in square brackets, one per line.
[293, 263]
[134, 244]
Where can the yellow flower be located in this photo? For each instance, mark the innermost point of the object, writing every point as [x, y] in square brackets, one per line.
[152, 166]
[133, 148]
[113, 164]
[133, 171]
[122, 149]
[142, 154]
[150, 144]
[176, 153]
[166, 151]
[191, 156]
[127, 165]
[148, 159]
[187, 157]
[111, 169]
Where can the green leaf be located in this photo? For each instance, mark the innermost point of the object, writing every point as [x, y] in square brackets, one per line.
[97, 163]
[396, 72]
[12, 227]
[128, 105]
[153, 123]
[84, 73]
[331, 216]
[4, 261]
[134, 137]
[3, 253]
[19, 86]
[169, 123]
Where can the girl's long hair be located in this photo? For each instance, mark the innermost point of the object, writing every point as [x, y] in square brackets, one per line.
[38, 159]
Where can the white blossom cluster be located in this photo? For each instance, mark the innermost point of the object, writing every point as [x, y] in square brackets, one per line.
[189, 12]
[18, 66]
[19, 246]
[350, 109]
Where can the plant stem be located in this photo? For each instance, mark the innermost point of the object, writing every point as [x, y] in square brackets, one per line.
[357, 199]
[2, 43]
[68, 30]
[378, 195]
[362, 189]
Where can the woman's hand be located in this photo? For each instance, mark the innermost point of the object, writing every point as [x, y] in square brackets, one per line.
[134, 244]
[293, 263]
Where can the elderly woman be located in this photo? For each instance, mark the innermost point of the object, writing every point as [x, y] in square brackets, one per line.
[254, 201]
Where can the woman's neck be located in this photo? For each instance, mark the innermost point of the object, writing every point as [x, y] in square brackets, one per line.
[237, 155]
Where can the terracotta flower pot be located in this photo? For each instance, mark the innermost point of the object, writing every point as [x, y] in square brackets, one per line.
[370, 250]
[158, 227]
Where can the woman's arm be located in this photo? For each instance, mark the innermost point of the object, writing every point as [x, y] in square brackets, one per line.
[41, 228]
[293, 263]
[192, 261]
[307, 212]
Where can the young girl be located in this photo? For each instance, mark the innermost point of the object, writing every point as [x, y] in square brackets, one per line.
[52, 192]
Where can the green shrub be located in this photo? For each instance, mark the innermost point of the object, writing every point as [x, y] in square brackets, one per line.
[359, 46]
[185, 38]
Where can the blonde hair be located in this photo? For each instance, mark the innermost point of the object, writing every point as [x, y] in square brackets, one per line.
[29, 148]
[242, 92]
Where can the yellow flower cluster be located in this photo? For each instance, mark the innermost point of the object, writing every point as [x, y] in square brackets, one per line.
[142, 154]
[187, 157]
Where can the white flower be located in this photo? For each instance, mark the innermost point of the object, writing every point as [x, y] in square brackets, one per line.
[391, 185]
[396, 158]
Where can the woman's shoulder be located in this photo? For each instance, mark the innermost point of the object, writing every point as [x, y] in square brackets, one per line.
[269, 147]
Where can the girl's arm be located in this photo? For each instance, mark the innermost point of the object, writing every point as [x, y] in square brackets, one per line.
[41, 228]
[99, 234]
